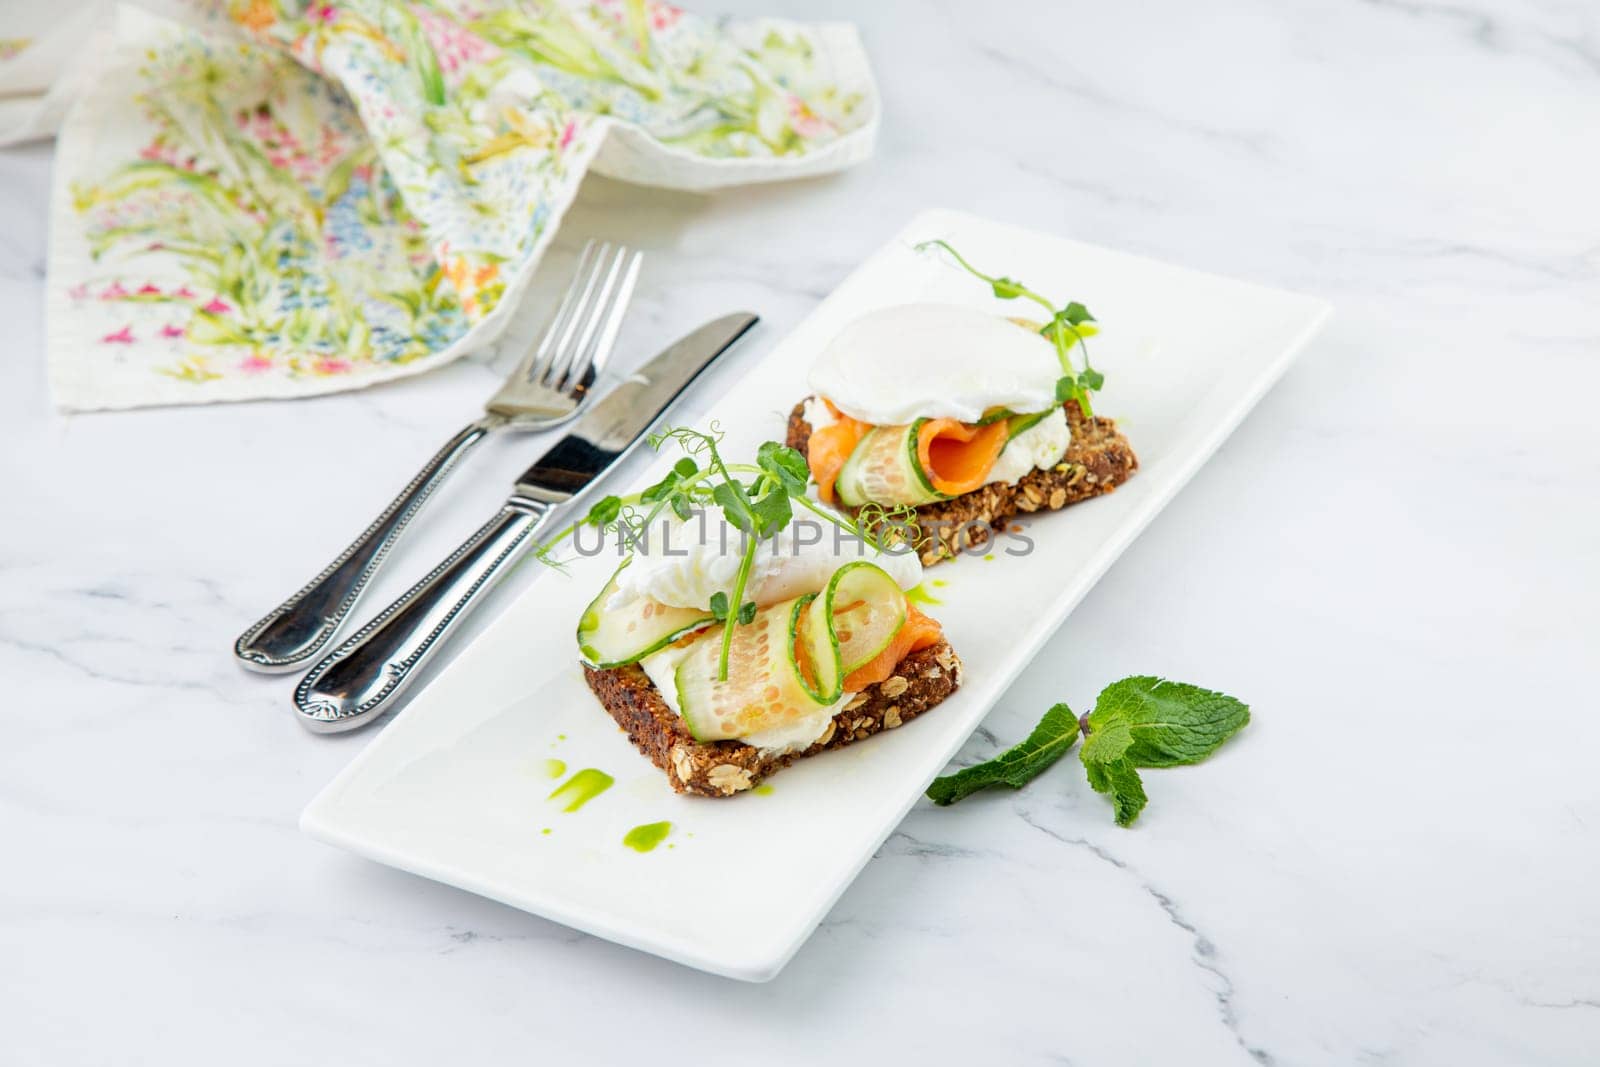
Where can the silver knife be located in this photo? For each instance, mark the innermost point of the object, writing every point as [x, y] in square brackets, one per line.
[364, 676]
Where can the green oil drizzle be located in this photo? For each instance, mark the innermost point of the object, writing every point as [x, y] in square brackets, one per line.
[646, 837]
[762, 790]
[940, 583]
[582, 788]
[989, 558]
[555, 768]
[918, 595]
[546, 830]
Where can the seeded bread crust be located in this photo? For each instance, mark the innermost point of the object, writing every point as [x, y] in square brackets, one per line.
[1098, 460]
[723, 768]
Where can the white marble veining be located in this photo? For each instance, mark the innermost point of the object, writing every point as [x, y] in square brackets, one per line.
[1396, 561]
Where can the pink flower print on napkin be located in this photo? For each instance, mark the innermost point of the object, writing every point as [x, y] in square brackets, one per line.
[114, 291]
[123, 336]
[169, 330]
[806, 123]
[664, 15]
[453, 45]
[159, 151]
[331, 365]
[217, 306]
[661, 15]
[255, 363]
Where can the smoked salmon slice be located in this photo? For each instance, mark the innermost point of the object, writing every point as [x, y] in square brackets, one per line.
[917, 632]
[830, 446]
[957, 456]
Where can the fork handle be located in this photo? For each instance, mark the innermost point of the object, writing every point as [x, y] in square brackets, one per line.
[299, 627]
[362, 678]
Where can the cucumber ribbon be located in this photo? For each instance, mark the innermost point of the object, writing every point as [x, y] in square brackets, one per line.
[792, 660]
[789, 663]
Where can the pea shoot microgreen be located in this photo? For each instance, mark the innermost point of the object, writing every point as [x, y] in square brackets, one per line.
[758, 499]
[1067, 326]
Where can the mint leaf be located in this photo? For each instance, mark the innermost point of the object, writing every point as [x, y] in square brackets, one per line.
[1166, 723]
[1120, 780]
[1016, 766]
[1150, 722]
[1105, 741]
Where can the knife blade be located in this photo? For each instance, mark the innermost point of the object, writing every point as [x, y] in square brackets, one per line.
[617, 422]
[366, 675]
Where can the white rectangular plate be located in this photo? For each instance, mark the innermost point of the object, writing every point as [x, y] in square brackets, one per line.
[456, 787]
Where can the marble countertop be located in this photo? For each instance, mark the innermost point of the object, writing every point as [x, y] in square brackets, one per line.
[1395, 560]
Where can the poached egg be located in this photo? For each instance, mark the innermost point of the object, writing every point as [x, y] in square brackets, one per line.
[911, 361]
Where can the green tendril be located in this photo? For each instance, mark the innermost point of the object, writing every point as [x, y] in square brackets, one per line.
[1066, 329]
[758, 499]
[885, 526]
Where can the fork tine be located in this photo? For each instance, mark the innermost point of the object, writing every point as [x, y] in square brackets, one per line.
[607, 339]
[600, 334]
[578, 331]
[537, 363]
[593, 279]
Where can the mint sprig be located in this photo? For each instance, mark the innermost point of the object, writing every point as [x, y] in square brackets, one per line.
[1067, 326]
[1142, 721]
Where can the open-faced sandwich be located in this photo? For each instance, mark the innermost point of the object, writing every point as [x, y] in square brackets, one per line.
[965, 416]
[733, 641]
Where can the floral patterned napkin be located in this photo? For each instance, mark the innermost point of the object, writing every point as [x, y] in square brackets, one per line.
[280, 198]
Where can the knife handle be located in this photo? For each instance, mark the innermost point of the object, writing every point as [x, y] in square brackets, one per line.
[298, 628]
[364, 676]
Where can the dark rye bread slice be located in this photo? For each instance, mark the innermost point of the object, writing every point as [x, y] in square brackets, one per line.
[1098, 460]
[722, 768]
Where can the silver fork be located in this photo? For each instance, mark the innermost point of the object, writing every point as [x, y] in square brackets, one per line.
[547, 388]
